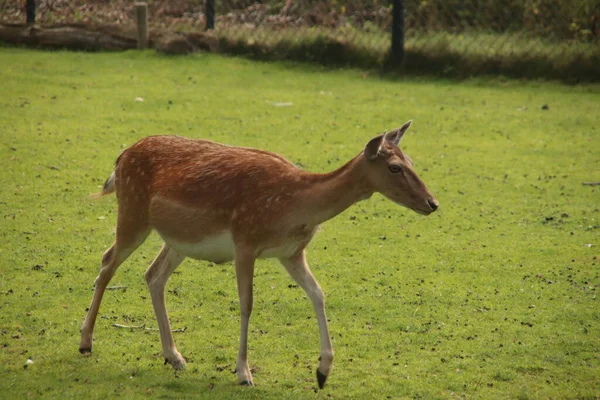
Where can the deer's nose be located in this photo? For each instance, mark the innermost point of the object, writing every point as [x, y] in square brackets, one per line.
[433, 203]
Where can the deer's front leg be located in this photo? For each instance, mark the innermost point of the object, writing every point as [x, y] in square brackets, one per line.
[244, 270]
[299, 270]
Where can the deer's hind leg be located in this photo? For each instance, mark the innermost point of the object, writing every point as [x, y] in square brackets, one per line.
[132, 231]
[156, 277]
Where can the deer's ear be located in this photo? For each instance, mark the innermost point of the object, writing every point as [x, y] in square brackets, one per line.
[395, 135]
[372, 148]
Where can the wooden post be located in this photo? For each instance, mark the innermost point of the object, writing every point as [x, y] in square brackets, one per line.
[141, 19]
[30, 11]
[397, 51]
[209, 14]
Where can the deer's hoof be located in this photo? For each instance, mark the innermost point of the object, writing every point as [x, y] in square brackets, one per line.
[178, 363]
[85, 350]
[246, 383]
[321, 378]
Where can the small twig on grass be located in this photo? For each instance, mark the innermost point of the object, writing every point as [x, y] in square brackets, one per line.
[116, 287]
[143, 326]
[591, 183]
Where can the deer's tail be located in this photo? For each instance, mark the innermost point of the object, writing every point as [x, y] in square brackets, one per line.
[108, 188]
[109, 185]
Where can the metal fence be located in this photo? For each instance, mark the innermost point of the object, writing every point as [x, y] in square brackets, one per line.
[443, 35]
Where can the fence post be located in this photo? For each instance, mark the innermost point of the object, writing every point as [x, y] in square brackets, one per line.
[209, 14]
[141, 20]
[30, 11]
[397, 51]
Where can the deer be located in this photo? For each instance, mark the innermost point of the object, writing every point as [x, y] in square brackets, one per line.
[221, 203]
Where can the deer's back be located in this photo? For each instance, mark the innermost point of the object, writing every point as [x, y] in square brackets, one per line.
[185, 169]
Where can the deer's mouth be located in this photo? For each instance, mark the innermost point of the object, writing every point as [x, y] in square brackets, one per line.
[422, 211]
[418, 210]
[432, 205]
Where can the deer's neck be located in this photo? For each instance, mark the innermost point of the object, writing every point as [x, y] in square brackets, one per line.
[329, 194]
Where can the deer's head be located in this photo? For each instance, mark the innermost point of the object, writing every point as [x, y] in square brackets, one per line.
[390, 172]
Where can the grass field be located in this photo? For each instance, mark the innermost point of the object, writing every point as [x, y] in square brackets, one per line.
[494, 296]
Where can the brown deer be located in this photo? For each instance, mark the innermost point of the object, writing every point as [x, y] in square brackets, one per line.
[220, 203]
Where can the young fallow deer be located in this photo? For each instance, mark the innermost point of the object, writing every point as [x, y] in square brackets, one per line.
[220, 203]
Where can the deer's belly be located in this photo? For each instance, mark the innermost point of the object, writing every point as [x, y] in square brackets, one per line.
[220, 248]
[295, 241]
[285, 250]
[217, 248]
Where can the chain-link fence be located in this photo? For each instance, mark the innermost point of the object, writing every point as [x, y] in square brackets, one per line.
[521, 37]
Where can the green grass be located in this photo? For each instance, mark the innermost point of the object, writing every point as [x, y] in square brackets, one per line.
[494, 296]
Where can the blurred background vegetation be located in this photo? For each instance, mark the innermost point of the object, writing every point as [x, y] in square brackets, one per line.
[554, 39]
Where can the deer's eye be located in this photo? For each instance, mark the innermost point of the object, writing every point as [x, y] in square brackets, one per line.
[394, 168]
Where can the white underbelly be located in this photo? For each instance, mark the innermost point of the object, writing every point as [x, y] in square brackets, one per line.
[284, 251]
[218, 248]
